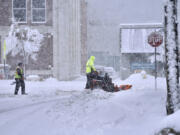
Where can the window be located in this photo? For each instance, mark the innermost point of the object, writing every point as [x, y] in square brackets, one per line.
[19, 10]
[38, 11]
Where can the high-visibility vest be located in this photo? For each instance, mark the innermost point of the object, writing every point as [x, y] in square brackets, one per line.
[16, 73]
[90, 65]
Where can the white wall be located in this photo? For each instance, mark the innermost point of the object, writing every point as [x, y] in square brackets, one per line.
[66, 41]
[125, 11]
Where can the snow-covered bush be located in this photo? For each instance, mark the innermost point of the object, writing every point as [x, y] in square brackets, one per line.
[23, 41]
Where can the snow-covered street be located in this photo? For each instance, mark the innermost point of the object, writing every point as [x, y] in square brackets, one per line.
[128, 52]
[65, 108]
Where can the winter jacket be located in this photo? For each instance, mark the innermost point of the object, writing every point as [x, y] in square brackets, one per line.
[90, 65]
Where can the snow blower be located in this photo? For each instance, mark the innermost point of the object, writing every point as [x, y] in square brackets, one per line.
[105, 83]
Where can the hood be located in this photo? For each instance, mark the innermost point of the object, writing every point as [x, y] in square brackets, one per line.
[92, 58]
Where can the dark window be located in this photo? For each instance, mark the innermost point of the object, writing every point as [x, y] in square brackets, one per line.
[38, 11]
[19, 10]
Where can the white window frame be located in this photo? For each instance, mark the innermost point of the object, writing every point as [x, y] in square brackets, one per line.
[37, 8]
[19, 8]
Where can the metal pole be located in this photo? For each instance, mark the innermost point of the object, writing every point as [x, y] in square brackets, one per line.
[155, 70]
[4, 68]
[120, 60]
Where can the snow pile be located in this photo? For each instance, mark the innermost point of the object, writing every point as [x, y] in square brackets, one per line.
[51, 80]
[144, 74]
[170, 122]
[138, 82]
[33, 78]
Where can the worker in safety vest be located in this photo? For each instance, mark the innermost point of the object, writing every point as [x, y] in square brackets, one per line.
[89, 69]
[19, 78]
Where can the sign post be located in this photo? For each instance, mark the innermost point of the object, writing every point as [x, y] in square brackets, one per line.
[155, 39]
[4, 58]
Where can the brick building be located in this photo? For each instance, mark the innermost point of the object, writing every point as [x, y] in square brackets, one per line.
[63, 24]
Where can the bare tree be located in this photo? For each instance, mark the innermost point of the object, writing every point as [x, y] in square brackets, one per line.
[24, 41]
[171, 53]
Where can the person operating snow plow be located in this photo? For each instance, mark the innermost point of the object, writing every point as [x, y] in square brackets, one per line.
[94, 80]
[89, 71]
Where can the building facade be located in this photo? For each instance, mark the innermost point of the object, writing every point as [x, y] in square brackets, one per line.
[63, 24]
[104, 26]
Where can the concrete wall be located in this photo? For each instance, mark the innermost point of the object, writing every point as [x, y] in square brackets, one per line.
[83, 35]
[67, 37]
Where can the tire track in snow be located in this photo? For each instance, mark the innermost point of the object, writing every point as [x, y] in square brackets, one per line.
[68, 93]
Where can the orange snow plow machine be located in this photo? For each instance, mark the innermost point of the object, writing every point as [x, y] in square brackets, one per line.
[105, 83]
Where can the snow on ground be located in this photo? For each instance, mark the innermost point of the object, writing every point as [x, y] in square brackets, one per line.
[65, 108]
[171, 121]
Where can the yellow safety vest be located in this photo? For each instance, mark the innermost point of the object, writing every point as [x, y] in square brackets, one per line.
[16, 73]
[90, 65]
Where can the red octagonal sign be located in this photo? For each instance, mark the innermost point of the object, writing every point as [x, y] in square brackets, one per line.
[155, 39]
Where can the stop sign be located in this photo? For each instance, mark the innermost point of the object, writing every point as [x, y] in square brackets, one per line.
[155, 39]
